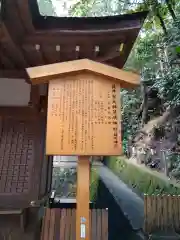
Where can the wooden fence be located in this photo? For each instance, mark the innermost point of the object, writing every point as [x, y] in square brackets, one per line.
[60, 224]
[161, 212]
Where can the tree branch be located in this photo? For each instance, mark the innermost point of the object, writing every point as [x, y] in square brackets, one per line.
[169, 6]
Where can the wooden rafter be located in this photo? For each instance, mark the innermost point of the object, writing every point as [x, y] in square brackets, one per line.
[58, 37]
[1, 32]
[113, 52]
[25, 15]
[109, 57]
[35, 97]
[34, 54]
[19, 74]
[12, 20]
[52, 53]
[5, 61]
[119, 61]
[11, 48]
[29, 39]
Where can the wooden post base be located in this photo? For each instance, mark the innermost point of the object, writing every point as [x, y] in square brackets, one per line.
[82, 211]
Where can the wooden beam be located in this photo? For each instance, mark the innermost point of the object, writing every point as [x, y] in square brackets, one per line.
[4, 73]
[83, 199]
[12, 20]
[35, 97]
[1, 31]
[25, 15]
[5, 61]
[109, 54]
[51, 53]
[58, 37]
[19, 112]
[33, 54]
[90, 32]
[107, 58]
[12, 49]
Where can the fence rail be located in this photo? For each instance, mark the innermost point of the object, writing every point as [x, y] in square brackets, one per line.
[161, 212]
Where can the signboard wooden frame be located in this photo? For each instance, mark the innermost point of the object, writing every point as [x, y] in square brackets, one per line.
[83, 116]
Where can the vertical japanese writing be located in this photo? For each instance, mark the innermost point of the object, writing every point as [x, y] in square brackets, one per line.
[83, 109]
[114, 111]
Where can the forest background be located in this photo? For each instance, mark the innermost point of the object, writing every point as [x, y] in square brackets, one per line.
[151, 113]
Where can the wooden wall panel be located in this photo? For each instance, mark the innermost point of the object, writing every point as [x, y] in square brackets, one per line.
[83, 116]
[21, 156]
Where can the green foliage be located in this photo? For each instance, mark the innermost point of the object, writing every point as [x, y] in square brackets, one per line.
[146, 57]
[177, 49]
[168, 80]
[94, 184]
[141, 59]
[153, 55]
[130, 104]
[64, 182]
[141, 178]
[81, 8]
[96, 8]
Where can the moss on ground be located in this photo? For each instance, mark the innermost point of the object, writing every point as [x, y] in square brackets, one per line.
[141, 178]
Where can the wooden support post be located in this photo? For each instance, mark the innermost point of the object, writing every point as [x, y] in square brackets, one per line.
[82, 199]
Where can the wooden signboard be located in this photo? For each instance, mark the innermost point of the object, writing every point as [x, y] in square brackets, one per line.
[83, 116]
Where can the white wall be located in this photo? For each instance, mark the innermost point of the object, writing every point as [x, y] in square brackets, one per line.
[14, 92]
[64, 158]
[65, 161]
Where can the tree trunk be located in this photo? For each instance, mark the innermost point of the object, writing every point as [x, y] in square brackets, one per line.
[169, 6]
[161, 22]
[165, 164]
[145, 104]
[155, 9]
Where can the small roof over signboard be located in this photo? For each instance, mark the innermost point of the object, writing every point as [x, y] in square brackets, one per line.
[46, 73]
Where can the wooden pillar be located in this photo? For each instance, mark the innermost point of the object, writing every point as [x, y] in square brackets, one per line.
[34, 97]
[82, 199]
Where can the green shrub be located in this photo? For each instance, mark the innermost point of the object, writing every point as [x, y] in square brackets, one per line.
[93, 185]
[141, 178]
